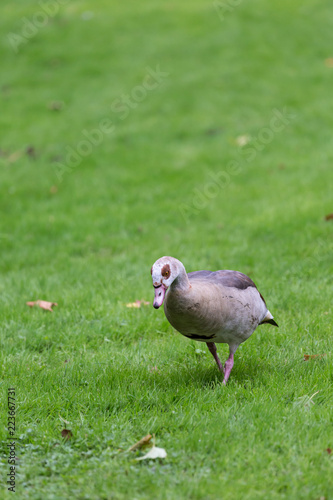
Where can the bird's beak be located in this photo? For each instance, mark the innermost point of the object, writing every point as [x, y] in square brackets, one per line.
[159, 296]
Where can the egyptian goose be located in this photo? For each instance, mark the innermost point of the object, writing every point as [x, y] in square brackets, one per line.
[221, 306]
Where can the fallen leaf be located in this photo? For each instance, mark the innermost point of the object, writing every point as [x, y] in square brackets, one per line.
[15, 156]
[329, 450]
[137, 303]
[53, 189]
[242, 140]
[154, 453]
[43, 304]
[313, 356]
[66, 434]
[329, 62]
[143, 442]
[56, 105]
[329, 217]
[30, 151]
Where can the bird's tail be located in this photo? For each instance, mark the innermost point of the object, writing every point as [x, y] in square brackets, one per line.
[269, 319]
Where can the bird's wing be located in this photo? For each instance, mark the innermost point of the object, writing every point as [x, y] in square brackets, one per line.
[226, 278]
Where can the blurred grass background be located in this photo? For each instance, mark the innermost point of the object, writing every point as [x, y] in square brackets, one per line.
[88, 240]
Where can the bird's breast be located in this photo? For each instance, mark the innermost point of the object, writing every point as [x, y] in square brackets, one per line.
[211, 313]
[194, 313]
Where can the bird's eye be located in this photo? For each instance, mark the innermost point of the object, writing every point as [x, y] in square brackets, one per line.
[166, 271]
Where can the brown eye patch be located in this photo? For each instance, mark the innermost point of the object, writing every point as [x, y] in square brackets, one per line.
[166, 271]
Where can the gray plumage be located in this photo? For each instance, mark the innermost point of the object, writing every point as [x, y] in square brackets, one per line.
[225, 278]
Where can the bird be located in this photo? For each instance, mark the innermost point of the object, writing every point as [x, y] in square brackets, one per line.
[209, 306]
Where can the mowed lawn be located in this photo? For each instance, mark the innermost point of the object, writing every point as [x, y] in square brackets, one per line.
[133, 130]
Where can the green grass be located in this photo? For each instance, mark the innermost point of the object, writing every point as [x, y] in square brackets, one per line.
[89, 241]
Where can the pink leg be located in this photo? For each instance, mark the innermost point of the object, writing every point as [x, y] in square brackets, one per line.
[212, 347]
[229, 363]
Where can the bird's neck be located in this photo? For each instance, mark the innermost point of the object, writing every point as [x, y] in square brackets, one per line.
[181, 282]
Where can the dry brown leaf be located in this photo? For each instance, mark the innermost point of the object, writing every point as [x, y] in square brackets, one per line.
[53, 189]
[66, 434]
[329, 62]
[329, 217]
[30, 151]
[143, 442]
[43, 304]
[329, 450]
[56, 105]
[15, 156]
[313, 356]
[137, 303]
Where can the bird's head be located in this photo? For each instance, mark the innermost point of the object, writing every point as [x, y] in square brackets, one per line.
[164, 272]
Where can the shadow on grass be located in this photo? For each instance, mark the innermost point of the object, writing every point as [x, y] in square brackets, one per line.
[199, 375]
